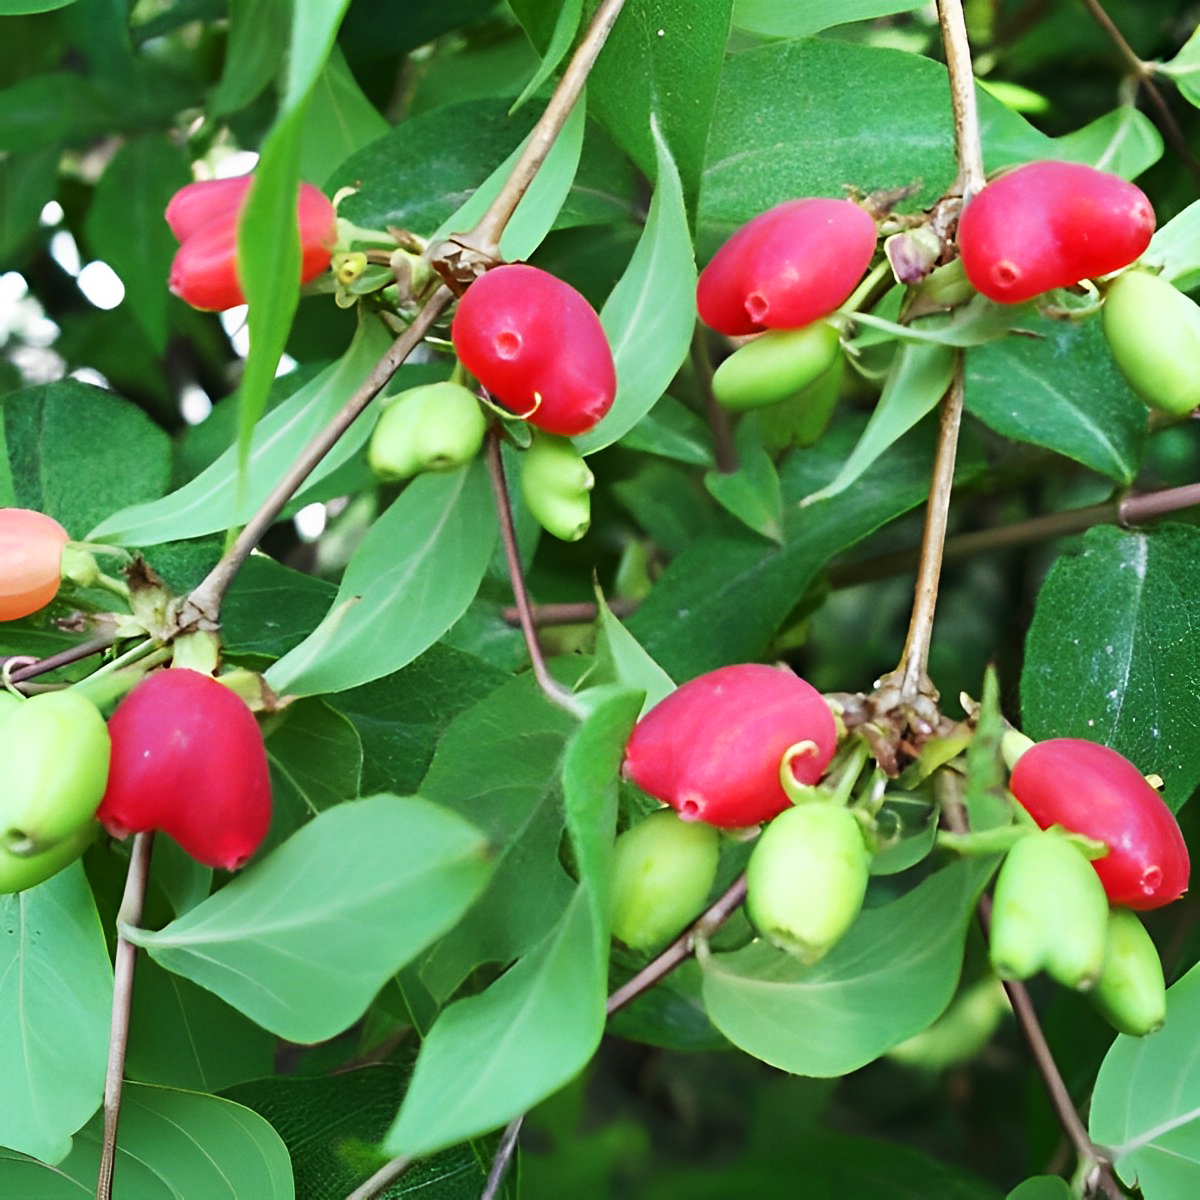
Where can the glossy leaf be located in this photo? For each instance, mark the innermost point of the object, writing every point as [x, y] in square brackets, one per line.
[491, 1056]
[1124, 141]
[784, 18]
[255, 51]
[516, 803]
[751, 493]
[216, 499]
[890, 977]
[1175, 247]
[338, 122]
[563, 34]
[917, 381]
[1061, 390]
[650, 314]
[1111, 656]
[59, 433]
[302, 940]
[621, 659]
[55, 1008]
[410, 579]
[1042, 1187]
[1146, 1103]
[172, 1144]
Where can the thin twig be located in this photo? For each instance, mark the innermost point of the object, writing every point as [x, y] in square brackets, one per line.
[718, 420]
[485, 237]
[504, 1153]
[554, 690]
[202, 608]
[388, 1173]
[967, 145]
[1143, 74]
[129, 916]
[63, 658]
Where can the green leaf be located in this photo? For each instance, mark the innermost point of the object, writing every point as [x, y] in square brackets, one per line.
[61, 433]
[409, 580]
[10, 8]
[132, 194]
[44, 110]
[1042, 1187]
[55, 1007]
[492, 1056]
[917, 381]
[253, 54]
[516, 803]
[890, 977]
[1146, 1103]
[183, 1036]
[672, 431]
[686, 622]
[214, 500]
[565, 25]
[315, 758]
[1112, 654]
[751, 493]
[621, 659]
[302, 940]
[1175, 247]
[1124, 141]
[399, 718]
[268, 228]
[271, 608]
[338, 122]
[172, 1144]
[1059, 389]
[1184, 69]
[25, 182]
[986, 796]
[332, 1124]
[872, 117]
[785, 18]
[651, 313]
[662, 60]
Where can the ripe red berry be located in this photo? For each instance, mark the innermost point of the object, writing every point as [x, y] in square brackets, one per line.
[537, 346]
[1051, 224]
[712, 749]
[204, 217]
[789, 266]
[1090, 789]
[188, 759]
[31, 546]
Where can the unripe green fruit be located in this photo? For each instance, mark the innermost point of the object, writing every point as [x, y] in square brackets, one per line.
[1131, 994]
[21, 871]
[663, 869]
[437, 427]
[556, 486]
[54, 748]
[776, 365]
[1153, 331]
[807, 877]
[1049, 913]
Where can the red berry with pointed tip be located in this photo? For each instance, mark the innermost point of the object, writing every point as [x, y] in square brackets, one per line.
[188, 760]
[1051, 224]
[1091, 789]
[789, 266]
[204, 216]
[537, 346]
[712, 749]
[31, 546]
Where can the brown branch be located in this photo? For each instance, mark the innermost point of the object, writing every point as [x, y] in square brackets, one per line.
[718, 420]
[1143, 73]
[63, 658]
[967, 145]
[129, 915]
[485, 237]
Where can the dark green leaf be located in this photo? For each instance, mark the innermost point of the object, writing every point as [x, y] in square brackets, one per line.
[254, 52]
[271, 608]
[61, 433]
[785, 18]
[1059, 389]
[26, 180]
[751, 493]
[1042, 1187]
[1112, 654]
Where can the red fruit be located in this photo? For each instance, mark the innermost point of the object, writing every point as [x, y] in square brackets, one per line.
[1051, 224]
[537, 346]
[1089, 789]
[712, 749]
[31, 546]
[788, 267]
[188, 759]
[204, 216]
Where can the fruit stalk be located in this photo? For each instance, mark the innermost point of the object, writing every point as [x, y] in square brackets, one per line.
[129, 917]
